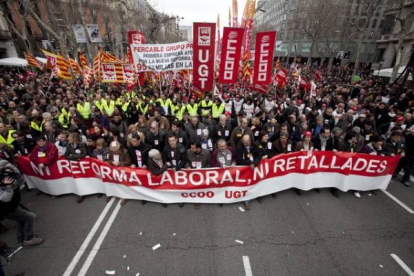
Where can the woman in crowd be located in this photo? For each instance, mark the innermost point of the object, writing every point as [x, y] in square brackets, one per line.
[75, 151]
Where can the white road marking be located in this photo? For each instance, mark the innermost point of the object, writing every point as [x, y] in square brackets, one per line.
[155, 247]
[88, 239]
[247, 267]
[99, 241]
[398, 201]
[403, 265]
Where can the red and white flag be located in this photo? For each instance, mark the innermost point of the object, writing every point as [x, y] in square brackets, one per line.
[281, 77]
[231, 54]
[304, 84]
[263, 58]
[203, 55]
[318, 75]
[313, 89]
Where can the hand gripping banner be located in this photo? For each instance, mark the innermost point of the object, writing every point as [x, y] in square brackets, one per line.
[302, 170]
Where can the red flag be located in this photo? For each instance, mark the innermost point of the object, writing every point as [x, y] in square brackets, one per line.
[134, 37]
[230, 54]
[304, 84]
[261, 88]
[195, 91]
[130, 85]
[30, 74]
[82, 59]
[265, 43]
[203, 58]
[281, 77]
[318, 75]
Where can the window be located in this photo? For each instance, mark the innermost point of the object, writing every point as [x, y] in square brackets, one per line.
[374, 24]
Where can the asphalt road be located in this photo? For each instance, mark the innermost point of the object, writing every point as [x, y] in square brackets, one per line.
[311, 234]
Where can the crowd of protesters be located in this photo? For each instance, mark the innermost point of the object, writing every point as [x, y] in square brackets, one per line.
[167, 127]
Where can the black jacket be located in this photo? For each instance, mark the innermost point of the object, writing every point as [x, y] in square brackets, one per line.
[142, 150]
[177, 157]
[318, 144]
[154, 168]
[8, 207]
[155, 141]
[244, 156]
[390, 148]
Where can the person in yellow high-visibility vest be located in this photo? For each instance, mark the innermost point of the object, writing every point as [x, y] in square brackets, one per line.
[178, 111]
[124, 104]
[142, 107]
[6, 136]
[192, 107]
[84, 108]
[108, 106]
[206, 105]
[64, 118]
[165, 103]
[217, 109]
[37, 124]
[130, 95]
[98, 102]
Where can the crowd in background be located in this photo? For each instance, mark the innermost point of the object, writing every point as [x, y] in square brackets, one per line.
[167, 127]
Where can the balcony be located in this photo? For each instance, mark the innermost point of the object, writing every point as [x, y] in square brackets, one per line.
[392, 38]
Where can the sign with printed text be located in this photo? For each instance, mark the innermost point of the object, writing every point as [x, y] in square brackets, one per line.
[230, 54]
[263, 58]
[204, 55]
[162, 57]
[79, 32]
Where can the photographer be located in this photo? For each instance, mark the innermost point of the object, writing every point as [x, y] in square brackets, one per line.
[10, 182]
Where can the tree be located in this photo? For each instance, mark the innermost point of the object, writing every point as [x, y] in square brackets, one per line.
[312, 21]
[334, 35]
[23, 15]
[365, 11]
[404, 19]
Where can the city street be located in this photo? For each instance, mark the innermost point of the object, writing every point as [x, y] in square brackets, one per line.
[311, 234]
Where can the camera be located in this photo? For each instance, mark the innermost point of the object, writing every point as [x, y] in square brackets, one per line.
[8, 172]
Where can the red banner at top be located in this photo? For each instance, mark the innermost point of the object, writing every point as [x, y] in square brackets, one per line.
[230, 54]
[204, 35]
[263, 58]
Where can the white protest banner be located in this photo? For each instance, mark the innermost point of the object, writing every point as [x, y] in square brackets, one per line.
[302, 170]
[79, 32]
[162, 57]
[93, 32]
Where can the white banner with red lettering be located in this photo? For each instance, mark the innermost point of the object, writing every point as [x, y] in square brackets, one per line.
[302, 170]
[162, 57]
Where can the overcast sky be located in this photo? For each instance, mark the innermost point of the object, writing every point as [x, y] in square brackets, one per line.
[199, 10]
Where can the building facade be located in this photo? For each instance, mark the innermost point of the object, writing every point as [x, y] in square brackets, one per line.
[389, 34]
[290, 17]
[7, 48]
[186, 33]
